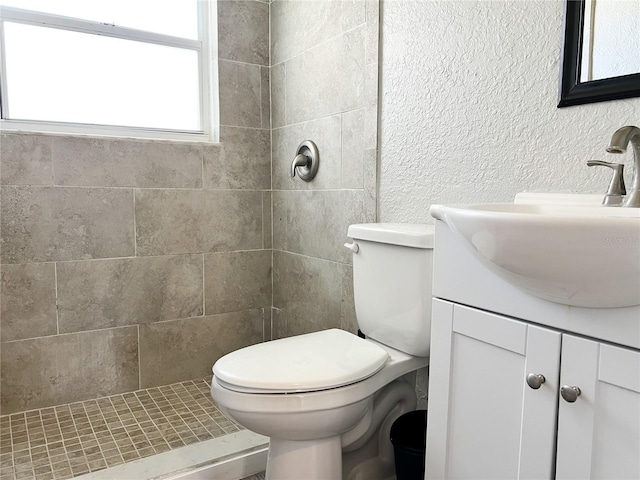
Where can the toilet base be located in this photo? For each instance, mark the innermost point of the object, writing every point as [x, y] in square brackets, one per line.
[309, 460]
[366, 456]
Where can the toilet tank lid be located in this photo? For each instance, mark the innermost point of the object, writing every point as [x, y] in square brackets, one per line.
[403, 234]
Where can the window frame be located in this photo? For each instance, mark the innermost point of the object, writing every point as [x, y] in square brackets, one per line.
[205, 47]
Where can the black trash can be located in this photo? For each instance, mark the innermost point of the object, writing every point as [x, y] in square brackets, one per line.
[408, 436]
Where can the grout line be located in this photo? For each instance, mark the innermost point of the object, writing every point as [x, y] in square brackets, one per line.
[342, 182]
[202, 168]
[263, 221]
[55, 286]
[284, 104]
[271, 336]
[337, 262]
[260, 96]
[23, 186]
[163, 412]
[239, 62]
[135, 229]
[68, 440]
[323, 117]
[139, 357]
[204, 286]
[121, 426]
[240, 127]
[204, 411]
[95, 434]
[151, 419]
[80, 332]
[269, 35]
[341, 33]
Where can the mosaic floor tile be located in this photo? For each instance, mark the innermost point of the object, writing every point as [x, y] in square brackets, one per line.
[66, 441]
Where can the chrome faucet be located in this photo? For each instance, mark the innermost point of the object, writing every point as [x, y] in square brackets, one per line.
[616, 190]
[619, 141]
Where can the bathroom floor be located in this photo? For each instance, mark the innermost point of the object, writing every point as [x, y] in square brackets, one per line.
[66, 441]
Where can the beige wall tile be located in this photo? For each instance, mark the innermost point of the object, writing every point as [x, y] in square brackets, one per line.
[25, 159]
[27, 301]
[197, 221]
[422, 387]
[213, 169]
[326, 133]
[186, 349]
[373, 30]
[66, 368]
[308, 291]
[353, 148]
[337, 68]
[278, 324]
[99, 294]
[371, 107]
[243, 161]
[268, 325]
[240, 104]
[265, 96]
[370, 186]
[267, 220]
[278, 95]
[315, 223]
[108, 162]
[236, 281]
[348, 320]
[297, 26]
[243, 31]
[42, 224]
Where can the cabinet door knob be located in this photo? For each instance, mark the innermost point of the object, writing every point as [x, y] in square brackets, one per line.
[535, 380]
[570, 393]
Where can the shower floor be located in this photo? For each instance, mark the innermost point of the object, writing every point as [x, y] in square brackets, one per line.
[69, 440]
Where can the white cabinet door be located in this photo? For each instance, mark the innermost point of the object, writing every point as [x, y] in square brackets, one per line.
[599, 433]
[484, 421]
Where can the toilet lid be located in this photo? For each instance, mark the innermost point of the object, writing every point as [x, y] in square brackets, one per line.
[315, 361]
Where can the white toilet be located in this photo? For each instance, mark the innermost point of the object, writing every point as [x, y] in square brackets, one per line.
[327, 399]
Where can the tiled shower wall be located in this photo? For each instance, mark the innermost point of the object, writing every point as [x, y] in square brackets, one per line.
[324, 86]
[128, 264]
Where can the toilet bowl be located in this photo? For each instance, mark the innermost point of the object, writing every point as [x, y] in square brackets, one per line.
[327, 399]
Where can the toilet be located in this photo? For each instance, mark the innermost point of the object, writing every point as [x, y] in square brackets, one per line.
[327, 399]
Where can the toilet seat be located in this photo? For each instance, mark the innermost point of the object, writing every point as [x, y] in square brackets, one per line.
[304, 363]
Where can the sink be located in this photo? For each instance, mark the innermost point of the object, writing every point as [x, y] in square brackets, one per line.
[575, 254]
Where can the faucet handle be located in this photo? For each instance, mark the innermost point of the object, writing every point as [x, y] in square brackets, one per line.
[616, 188]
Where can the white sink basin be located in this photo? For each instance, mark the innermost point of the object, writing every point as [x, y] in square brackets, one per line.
[586, 256]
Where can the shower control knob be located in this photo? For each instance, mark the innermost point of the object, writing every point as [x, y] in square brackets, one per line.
[535, 380]
[305, 163]
[570, 393]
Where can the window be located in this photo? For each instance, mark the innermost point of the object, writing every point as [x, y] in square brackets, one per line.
[123, 67]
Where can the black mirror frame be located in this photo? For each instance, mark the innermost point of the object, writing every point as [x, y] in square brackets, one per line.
[571, 91]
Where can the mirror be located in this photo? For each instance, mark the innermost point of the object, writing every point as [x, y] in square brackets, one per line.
[601, 54]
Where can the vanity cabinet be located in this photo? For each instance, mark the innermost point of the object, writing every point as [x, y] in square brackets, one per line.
[484, 422]
[599, 434]
[487, 419]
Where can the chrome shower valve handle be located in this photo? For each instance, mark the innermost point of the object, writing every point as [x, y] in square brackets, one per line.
[306, 161]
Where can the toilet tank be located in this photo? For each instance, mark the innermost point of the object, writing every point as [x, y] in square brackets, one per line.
[392, 281]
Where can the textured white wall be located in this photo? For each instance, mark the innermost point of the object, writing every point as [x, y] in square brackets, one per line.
[468, 107]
